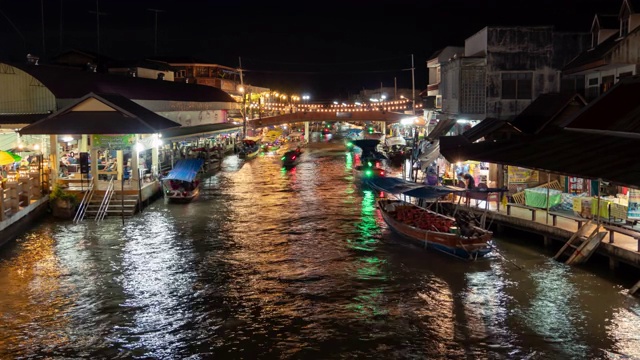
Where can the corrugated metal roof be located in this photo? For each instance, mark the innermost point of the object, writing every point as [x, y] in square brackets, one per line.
[129, 118]
[442, 127]
[7, 119]
[71, 83]
[616, 110]
[486, 127]
[594, 156]
[543, 111]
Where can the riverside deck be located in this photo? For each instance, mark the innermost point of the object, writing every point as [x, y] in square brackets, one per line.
[624, 249]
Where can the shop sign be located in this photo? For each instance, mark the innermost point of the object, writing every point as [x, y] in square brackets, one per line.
[633, 213]
[114, 142]
[343, 114]
[518, 175]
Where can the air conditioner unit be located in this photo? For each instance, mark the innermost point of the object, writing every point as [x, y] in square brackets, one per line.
[438, 103]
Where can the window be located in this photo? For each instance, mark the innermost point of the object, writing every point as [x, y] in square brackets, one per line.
[593, 90]
[607, 83]
[625, 75]
[517, 85]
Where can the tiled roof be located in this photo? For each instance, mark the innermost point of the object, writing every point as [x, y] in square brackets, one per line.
[616, 110]
[593, 57]
[129, 118]
[71, 83]
[543, 111]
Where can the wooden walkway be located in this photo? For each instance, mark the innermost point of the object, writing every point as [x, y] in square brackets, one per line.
[623, 249]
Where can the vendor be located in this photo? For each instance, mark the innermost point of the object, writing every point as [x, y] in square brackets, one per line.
[469, 181]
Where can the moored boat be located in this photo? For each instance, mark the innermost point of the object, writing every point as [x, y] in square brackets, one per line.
[182, 184]
[430, 229]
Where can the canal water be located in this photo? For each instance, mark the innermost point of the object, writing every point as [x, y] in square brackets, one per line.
[277, 264]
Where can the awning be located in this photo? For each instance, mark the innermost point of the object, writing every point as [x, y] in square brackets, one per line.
[442, 128]
[369, 148]
[185, 170]
[101, 114]
[398, 186]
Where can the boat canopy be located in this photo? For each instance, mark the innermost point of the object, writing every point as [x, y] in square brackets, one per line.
[185, 170]
[369, 149]
[399, 186]
[396, 140]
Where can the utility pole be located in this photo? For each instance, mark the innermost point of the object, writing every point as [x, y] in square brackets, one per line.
[155, 31]
[244, 101]
[395, 88]
[98, 13]
[413, 85]
[44, 48]
[60, 40]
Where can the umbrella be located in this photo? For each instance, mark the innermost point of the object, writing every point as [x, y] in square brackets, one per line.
[7, 157]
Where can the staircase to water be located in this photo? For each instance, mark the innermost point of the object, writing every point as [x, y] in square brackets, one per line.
[120, 204]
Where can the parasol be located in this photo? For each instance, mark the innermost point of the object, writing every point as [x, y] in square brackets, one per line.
[7, 157]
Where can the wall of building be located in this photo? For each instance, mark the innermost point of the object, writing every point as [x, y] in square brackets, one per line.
[193, 118]
[476, 44]
[153, 74]
[535, 50]
[628, 51]
[21, 93]
[634, 21]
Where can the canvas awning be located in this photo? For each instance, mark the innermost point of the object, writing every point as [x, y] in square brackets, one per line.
[185, 170]
[398, 186]
[101, 114]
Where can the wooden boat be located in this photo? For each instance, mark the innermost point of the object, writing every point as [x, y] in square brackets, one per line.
[182, 184]
[249, 149]
[368, 169]
[291, 158]
[430, 229]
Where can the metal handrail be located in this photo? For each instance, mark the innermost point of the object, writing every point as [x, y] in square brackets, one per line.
[104, 205]
[82, 208]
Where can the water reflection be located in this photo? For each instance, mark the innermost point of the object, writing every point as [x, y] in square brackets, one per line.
[292, 264]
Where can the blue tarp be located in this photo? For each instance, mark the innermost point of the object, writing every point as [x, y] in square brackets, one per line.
[185, 170]
[398, 186]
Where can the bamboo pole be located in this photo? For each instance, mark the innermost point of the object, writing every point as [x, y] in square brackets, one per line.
[548, 191]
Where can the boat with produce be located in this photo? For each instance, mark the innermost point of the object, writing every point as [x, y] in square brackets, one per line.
[459, 235]
[182, 184]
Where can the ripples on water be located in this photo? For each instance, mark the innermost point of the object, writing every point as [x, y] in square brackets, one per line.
[292, 264]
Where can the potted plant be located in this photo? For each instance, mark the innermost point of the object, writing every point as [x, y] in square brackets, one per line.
[63, 204]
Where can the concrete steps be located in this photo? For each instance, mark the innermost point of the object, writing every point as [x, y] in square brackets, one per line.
[120, 204]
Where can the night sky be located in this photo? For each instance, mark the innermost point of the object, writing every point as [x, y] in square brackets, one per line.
[324, 48]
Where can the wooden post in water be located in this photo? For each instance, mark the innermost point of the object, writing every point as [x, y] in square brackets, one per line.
[122, 200]
[548, 190]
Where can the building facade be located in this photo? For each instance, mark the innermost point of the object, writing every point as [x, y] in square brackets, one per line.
[614, 53]
[504, 69]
